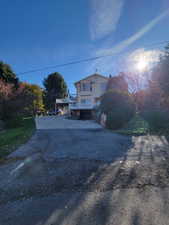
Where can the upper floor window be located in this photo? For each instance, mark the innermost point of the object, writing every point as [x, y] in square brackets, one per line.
[86, 87]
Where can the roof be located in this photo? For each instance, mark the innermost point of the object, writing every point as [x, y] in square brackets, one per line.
[95, 74]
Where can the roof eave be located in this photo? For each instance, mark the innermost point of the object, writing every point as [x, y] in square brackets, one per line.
[90, 76]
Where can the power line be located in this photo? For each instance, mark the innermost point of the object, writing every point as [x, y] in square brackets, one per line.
[61, 65]
[84, 60]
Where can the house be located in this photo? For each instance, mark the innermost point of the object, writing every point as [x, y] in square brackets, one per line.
[89, 90]
[88, 94]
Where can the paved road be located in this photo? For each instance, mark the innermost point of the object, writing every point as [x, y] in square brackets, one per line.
[60, 122]
[86, 177]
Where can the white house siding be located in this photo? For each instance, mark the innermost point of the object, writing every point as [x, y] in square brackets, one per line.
[87, 97]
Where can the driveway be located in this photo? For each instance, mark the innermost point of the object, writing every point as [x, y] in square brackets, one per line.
[60, 122]
[85, 177]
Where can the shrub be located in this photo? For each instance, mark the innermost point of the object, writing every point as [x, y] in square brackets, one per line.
[158, 120]
[14, 122]
[119, 108]
[115, 119]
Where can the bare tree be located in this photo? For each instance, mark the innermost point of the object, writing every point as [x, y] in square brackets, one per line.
[138, 83]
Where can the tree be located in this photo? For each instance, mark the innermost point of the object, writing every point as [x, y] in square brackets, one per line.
[20, 102]
[5, 95]
[119, 108]
[160, 78]
[13, 102]
[7, 75]
[23, 101]
[161, 72]
[138, 84]
[36, 94]
[117, 83]
[55, 87]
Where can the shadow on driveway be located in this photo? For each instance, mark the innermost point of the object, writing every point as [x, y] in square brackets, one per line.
[88, 177]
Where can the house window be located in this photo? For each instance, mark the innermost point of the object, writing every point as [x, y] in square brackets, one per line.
[85, 101]
[86, 87]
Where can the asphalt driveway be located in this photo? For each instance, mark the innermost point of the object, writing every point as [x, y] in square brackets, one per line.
[60, 122]
[82, 176]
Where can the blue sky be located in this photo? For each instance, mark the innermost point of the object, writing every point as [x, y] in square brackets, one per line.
[36, 34]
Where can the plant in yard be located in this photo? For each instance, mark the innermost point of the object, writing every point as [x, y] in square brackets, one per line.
[35, 93]
[118, 107]
[11, 138]
[136, 126]
[5, 95]
[26, 100]
[158, 120]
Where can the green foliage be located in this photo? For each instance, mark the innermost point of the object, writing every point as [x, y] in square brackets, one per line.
[158, 120]
[23, 101]
[36, 94]
[136, 126]
[7, 75]
[14, 122]
[12, 138]
[119, 108]
[115, 119]
[55, 87]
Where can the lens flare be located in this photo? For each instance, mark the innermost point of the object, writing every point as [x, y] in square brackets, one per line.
[142, 65]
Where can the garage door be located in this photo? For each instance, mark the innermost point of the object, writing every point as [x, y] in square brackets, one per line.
[86, 114]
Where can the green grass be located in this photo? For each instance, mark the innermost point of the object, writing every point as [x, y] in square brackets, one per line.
[12, 138]
[136, 126]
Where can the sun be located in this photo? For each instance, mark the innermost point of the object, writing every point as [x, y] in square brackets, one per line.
[142, 61]
[141, 65]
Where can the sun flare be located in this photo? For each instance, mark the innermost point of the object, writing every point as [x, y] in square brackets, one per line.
[142, 60]
[141, 65]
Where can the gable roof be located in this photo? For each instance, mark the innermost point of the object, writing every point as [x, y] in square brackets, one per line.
[95, 74]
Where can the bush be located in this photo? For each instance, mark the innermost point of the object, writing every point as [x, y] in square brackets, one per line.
[2, 125]
[14, 122]
[115, 119]
[119, 108]
[158, 120]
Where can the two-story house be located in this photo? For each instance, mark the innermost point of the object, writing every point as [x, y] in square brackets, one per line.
[89, 90]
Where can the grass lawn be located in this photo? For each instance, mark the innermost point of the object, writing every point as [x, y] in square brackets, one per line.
[137, 126]
[12, 138]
